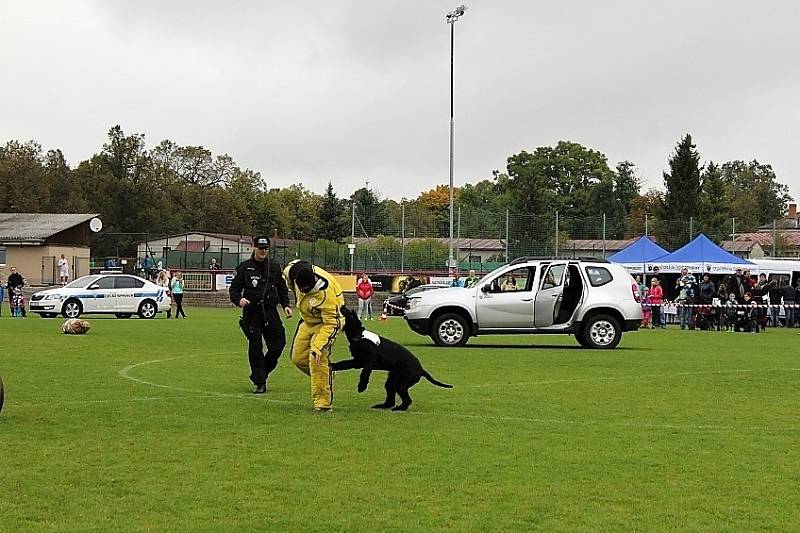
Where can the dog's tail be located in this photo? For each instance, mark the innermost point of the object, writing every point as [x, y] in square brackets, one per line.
[433, 380]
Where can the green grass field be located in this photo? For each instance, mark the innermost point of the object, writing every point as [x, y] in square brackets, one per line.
[150, 425]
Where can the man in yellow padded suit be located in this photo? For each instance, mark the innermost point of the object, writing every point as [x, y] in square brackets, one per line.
[319, 300]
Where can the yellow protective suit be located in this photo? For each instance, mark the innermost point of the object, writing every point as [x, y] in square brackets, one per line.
[322, 320]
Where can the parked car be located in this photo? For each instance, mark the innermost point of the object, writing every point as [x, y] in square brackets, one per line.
[594, 300]
[118, 294]
[397, 303]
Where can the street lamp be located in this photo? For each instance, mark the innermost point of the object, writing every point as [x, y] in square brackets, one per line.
[451, 18]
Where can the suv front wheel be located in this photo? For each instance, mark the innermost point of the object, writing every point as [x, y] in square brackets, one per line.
[601, 332]
[450, 329]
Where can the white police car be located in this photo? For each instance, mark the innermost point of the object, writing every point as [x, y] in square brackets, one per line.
[118, 294]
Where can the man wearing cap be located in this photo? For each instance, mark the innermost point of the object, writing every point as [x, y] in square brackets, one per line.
[258, 287]
[318, 298]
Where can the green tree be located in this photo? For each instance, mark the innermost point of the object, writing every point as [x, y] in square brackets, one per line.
[626, 187]
[755, 197]
[24, 188]
[331, 217]
[568, 178]
[642, 216]
[713, 212]
[370, 212]
[682, 190]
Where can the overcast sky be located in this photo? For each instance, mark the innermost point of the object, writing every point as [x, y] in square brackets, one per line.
[350, 91]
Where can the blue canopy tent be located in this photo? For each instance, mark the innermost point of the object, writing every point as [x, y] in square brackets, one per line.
[701, 256]
[634, 256]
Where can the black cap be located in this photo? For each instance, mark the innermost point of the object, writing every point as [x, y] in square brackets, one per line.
[261, 241]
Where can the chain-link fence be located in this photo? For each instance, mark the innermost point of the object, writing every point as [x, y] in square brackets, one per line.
[414, 239]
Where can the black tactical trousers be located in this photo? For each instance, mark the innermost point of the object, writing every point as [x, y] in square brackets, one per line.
[264, 324]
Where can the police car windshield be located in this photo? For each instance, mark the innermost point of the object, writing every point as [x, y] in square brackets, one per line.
[81, 283]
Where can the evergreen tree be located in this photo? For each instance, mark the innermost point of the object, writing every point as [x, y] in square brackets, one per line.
[370, 212]
[626, 187]
[713, 216]
[682, 191]
[331, 217]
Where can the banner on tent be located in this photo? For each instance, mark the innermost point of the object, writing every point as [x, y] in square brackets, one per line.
[633, 268]
[700, 268]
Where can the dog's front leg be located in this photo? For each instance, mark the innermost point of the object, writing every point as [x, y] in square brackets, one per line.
[345, 364]
[369, 357]
[364, 379]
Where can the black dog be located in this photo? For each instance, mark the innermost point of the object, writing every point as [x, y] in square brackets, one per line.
[371, 352]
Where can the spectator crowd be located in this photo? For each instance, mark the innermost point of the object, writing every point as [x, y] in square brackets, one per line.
[737, 302]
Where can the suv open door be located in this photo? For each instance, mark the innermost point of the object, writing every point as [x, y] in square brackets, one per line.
[549, 295]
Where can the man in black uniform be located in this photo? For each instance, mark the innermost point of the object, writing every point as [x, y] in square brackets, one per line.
[258, 288]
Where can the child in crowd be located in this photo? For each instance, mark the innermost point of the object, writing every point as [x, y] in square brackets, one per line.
[753, 313]
[17, 302]
[656, 296]
[646, 308]
[730, 312]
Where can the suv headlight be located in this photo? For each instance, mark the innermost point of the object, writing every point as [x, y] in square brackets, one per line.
[51, 297]
[413, 302]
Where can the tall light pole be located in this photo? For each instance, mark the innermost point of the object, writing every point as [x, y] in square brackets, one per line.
[452, 17]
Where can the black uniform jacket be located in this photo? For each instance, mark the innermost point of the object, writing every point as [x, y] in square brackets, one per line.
[262, 283]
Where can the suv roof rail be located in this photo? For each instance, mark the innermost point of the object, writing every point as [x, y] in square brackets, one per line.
[551, 258]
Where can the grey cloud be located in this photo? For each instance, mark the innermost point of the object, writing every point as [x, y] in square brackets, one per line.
[356, 90]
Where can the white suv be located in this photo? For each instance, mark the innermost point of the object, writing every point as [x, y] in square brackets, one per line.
[592, 299]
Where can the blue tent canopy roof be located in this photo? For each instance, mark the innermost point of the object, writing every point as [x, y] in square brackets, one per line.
[702, 250]
[641, 250]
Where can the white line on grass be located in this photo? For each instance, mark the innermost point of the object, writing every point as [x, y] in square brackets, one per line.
[638, 376]
[125, 373]
[632, 425]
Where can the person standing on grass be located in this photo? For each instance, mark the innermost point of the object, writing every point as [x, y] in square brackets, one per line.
[686, 291]
[15, 280]
[364, 291]
[63, 270]
[471, 280]
[163, 281]
[319, 300]
[656, 298]
[774, 294]
[258, 288]
[2, 294]
[789, 300]
[176, 289]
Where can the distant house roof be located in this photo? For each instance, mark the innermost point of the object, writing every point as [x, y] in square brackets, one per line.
[192, 246]
[792, 238]
[227, 236]
[598, 244]
[37, 226]
[783, 224]
[739, 245]
[494, 245]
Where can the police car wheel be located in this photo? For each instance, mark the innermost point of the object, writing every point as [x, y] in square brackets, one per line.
[72, 309]
[147, 309]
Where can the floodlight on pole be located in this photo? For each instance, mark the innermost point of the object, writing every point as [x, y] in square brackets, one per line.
[451, 18]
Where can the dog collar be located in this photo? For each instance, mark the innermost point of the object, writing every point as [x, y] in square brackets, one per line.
[371, 337]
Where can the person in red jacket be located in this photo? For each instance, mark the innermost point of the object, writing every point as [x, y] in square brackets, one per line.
[656, 299]
[364, 291]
